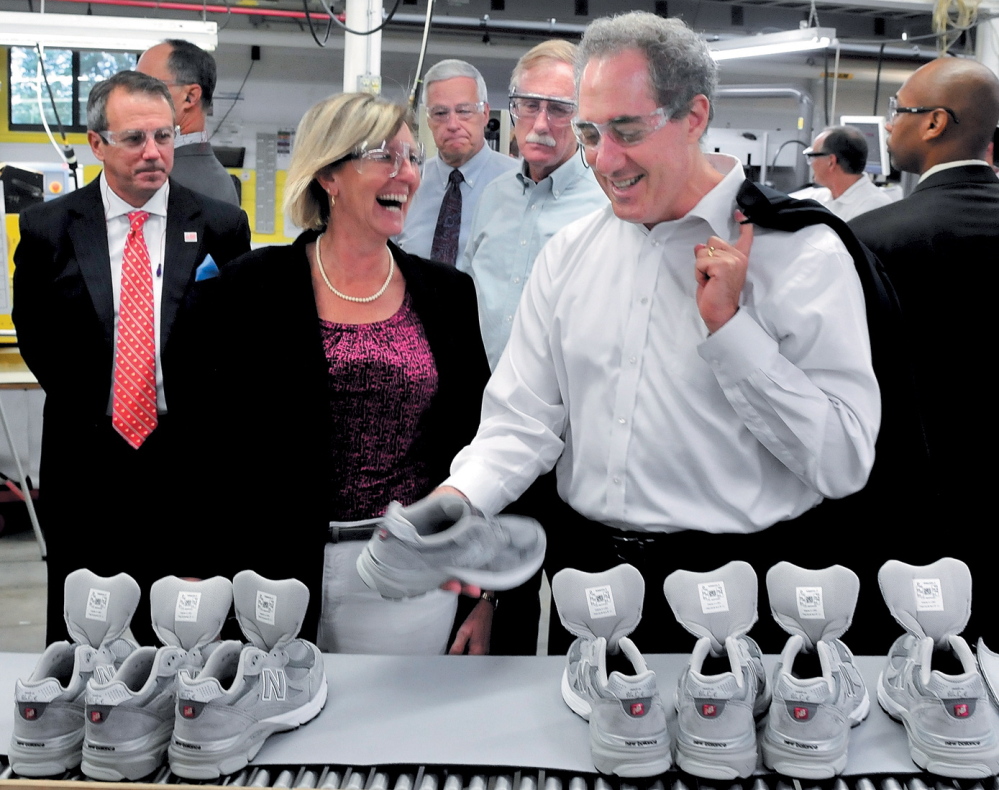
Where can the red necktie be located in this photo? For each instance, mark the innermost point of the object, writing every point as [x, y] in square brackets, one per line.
[134, 406]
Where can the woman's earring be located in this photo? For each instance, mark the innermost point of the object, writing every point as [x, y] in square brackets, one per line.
[332, 199]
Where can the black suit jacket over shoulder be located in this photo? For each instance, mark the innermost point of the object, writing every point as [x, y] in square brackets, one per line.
[273, 375]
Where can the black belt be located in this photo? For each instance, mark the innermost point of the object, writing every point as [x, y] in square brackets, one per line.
[344, 531]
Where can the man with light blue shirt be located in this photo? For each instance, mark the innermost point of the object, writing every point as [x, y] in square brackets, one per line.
[453, 181]
[521, 210]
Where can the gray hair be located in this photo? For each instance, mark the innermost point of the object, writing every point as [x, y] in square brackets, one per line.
[130, 82]
[449, 69]
[850, 147]
[191, 65]
[553, 50]
[680, 64]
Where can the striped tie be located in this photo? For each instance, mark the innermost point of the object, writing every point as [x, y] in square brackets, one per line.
[134, 407]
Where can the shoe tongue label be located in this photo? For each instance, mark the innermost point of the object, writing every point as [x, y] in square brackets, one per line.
[810, 603]
[266, 606]
[713, 597]
[600, 601]
[97, 605]
[187, 607]
[929, 595]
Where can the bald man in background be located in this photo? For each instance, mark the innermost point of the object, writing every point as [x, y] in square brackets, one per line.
[939, 247]
[189, 72]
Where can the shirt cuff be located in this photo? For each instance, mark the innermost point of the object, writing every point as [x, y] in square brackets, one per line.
[477, 482]
[738, 349]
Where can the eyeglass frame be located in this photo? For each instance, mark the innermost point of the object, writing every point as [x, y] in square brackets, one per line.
[548, 101]
[894, 110]
[813, 154]
[109, 136]
[363, 154]
[664, 117]
[472, 108]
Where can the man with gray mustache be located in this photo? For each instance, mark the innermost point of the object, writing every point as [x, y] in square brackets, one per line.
[520, 210]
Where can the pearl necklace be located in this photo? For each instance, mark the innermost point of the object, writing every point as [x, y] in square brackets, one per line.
[356, 299]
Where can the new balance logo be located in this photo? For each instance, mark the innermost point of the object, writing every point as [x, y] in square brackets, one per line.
[274, 684]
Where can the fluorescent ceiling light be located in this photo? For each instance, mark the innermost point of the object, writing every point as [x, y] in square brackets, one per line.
[74, 31]
[773, 43]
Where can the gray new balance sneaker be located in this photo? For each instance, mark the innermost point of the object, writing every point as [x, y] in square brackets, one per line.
[417, 548]
[129, 718]
[723, 691]
[245, 693]
[818, 693]
[49, 715]
[931, 682]
[628, 735]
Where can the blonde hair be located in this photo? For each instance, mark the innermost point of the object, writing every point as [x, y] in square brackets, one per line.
[553, 49]
[328, 132]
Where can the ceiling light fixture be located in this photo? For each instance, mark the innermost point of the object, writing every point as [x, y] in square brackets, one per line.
[774, 43]
[74, 31]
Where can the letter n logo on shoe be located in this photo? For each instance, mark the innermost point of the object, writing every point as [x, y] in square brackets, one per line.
[962, 710]
[709, 710]
[637, 708]
[801, 714]
[274, 684]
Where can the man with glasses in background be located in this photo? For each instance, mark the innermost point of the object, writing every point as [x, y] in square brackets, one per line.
[693, 381]
[838, 156]
[522, 209]
[939, 246]
[457, 112]
[104, 309]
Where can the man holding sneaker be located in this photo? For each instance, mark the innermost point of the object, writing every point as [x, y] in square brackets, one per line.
[694, 381]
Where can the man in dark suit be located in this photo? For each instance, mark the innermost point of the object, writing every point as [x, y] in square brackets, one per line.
[104, 293]
[939, 247]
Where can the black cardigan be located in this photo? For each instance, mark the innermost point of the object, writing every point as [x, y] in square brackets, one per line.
[272, 388]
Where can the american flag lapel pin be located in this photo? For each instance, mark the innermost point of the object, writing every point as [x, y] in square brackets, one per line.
[191, 236]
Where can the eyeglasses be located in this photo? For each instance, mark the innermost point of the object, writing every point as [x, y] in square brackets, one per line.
[894, 110]
[387, 155]
[627, 130]
[136, 138]
[530, 105]
[813, 154]
[464, 112]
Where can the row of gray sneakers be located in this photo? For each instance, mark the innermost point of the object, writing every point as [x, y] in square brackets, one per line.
[118, 710]
[816, 695]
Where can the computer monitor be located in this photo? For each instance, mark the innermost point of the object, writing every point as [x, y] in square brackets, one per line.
[873, 129]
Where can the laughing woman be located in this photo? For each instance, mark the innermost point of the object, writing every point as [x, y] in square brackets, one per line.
[351, 374]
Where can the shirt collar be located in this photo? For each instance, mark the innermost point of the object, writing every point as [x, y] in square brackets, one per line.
[114, 206]
[856, 186]
[190, 138]
[716, 207]
[472, 169]
[567, 173]
[949, 165]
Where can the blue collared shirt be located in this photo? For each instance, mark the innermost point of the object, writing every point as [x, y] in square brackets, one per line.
[417, 238]
[514, 220]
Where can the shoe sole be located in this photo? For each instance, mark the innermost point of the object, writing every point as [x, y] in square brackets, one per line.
[131, 761]
[820, 761]
[578, 704]
[395, 583]
[630, 761]
[980, 763]
[711, 763]
[207, 760]
[57, 756]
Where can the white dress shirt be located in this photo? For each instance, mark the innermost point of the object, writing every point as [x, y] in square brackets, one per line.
[417, 237]
[656, 426]
[116, 211]
[860, 197]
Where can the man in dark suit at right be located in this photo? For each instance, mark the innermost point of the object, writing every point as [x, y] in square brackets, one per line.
[939, 246]
[104, 305]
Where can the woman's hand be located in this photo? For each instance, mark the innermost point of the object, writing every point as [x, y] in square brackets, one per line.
[473, 636]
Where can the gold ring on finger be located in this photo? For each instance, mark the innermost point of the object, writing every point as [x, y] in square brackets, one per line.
[711, 252]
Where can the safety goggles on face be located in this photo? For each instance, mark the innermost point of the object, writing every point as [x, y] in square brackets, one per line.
[464, 112]
[136, 138]
[894, 110]
[387, 155]
[530, 105]
[625, 130]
